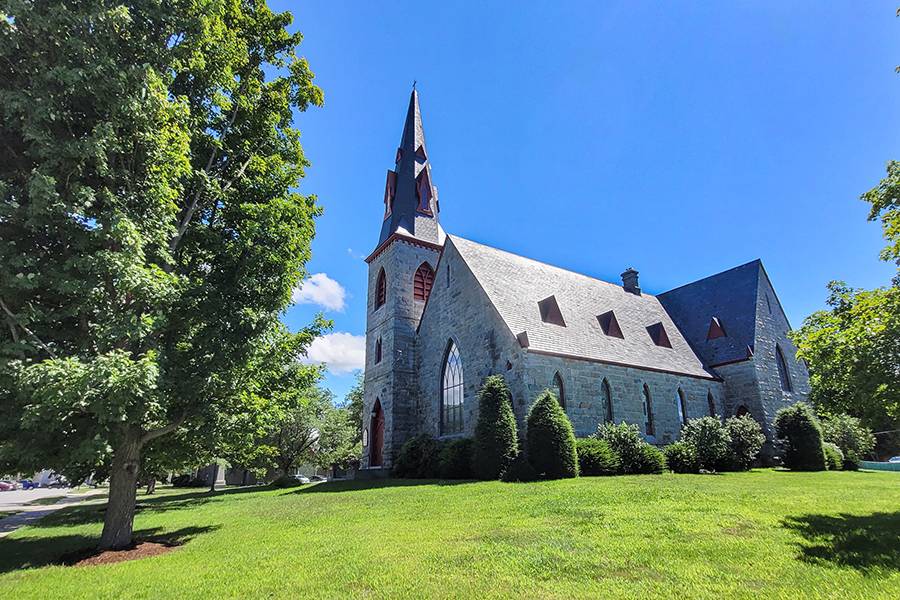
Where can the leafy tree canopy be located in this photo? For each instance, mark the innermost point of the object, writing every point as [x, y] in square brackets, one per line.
[152, 230]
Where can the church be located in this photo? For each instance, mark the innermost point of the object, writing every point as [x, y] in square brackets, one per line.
[444, 312]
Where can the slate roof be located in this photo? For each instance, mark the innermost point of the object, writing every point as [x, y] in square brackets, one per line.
[732, 297]
[515, 285]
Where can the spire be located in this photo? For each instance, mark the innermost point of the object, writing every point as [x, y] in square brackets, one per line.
[410, 197]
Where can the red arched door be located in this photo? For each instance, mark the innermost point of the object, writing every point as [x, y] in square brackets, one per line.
[376, 443]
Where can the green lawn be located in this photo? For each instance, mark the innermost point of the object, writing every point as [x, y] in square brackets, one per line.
[764, 533]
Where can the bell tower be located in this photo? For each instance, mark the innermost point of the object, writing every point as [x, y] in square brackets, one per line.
[401, 272]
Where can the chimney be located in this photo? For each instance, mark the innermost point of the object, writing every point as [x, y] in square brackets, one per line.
[630, 281]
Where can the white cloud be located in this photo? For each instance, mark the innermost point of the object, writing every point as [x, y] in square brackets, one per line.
[340, 352]
[322, 290]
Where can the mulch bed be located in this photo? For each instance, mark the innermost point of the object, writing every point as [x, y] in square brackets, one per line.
[108, 557]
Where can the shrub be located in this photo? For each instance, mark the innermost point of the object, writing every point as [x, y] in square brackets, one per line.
[710, 441]
[681, 458]
[834, 458]
[455, 459]
[187, 481]
[549, 440]
[801, 436]
[496, 439]
[519, 470]
[284, 481]
[652, 460]
[847, 433]
[418, 458]
[635, 455]
[747, 440]
[595, 457]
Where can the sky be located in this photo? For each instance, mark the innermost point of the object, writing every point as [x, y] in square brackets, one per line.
[680, 139]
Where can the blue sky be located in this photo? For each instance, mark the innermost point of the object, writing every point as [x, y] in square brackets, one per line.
[680, 139]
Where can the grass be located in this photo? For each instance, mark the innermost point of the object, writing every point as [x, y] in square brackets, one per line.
[759, 534]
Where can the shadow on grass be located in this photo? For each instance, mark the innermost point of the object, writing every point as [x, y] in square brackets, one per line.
[351, 485]
[33, 552]
[868, 543]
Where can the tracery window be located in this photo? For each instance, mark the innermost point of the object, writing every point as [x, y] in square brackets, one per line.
[452, 392]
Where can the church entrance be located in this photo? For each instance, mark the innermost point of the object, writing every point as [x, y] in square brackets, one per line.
[376, 443]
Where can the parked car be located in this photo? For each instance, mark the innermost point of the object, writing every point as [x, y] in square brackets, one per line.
[26, 484]
[8, 486]
[317, 478]
[894, 459]
[301, 478]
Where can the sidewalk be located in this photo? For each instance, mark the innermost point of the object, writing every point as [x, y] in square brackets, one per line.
[31, 513]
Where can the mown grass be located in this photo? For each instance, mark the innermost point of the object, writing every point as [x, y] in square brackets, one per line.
[746, 535]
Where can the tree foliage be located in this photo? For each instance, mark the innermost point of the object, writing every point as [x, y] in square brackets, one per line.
[152, 230]
[496, 439]
[885, 201]
[848, 433]
[746, 439]
[710, 441]
[801, 436]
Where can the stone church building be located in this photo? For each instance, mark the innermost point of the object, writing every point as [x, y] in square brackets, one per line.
[445, 312]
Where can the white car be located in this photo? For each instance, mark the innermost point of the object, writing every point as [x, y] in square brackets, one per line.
[894, 459]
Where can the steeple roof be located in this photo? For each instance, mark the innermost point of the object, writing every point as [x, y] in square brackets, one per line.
[410, 198]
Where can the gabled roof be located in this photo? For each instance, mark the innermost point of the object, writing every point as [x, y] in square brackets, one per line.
[515, 285]
[731, 296]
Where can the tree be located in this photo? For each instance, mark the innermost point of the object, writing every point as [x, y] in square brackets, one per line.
[353, 403]
[885, 201]
[152, 231]
[550, 440]
[496, 440]
[853, 350]
[848, 433]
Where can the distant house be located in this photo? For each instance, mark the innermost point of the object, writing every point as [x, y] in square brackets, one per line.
[444, 312]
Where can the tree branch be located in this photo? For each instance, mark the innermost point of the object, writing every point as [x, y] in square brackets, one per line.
[15, 320]
[155, 433]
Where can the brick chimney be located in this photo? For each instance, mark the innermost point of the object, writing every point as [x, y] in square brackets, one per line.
[630, 281]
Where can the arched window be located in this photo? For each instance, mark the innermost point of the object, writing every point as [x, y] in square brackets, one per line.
[423, 281]
[681, 401]
[607, 401]
[452, 392]
[741, 411]
[712, 404]
[377, 351]
[783, 373]
[648, 412]
[556, 386]
[380, 290]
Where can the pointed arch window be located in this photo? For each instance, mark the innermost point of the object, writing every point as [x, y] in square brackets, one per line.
[649, 427]
[377, 351]
[380, 290]
[607, 401]
[711, 402]
[783, 374]
[452, 392]
[681, 402]
[558, 390]
[423, 282]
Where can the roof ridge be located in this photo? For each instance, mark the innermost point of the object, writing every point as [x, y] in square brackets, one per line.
[546, 264]
[746, 264]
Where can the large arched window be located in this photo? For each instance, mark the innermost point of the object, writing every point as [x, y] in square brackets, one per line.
[380, 290]
[711, 401]
[423, 281]
[607, 402]
[649, 429]
[681, 402]
[452, 392]
[556, 386]
[783, 373]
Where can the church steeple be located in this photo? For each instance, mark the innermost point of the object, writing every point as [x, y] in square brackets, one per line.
[410, 197]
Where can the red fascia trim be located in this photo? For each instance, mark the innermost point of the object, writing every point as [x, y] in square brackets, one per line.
[730, 362]
[403, 238]
[619, 364]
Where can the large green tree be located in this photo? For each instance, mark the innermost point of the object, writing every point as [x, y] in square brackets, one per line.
[150, 229]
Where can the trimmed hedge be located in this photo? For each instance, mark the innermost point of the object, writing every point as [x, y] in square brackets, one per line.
[652, 460]
[681, 458]
[455, 459]
[834, 458]
[710, 441]
[801, 436]
[519, 470]
[746, 440]
[595, 457]
[550, 440]
[418, 458]
[496, 439]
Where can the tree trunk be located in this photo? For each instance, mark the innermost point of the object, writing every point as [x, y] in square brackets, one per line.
[215, 476]
[118, 521]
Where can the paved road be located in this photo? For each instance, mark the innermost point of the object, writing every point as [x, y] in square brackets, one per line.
[18, 500]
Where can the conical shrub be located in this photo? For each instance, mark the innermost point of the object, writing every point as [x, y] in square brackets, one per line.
[550, 440]
[495, 445]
